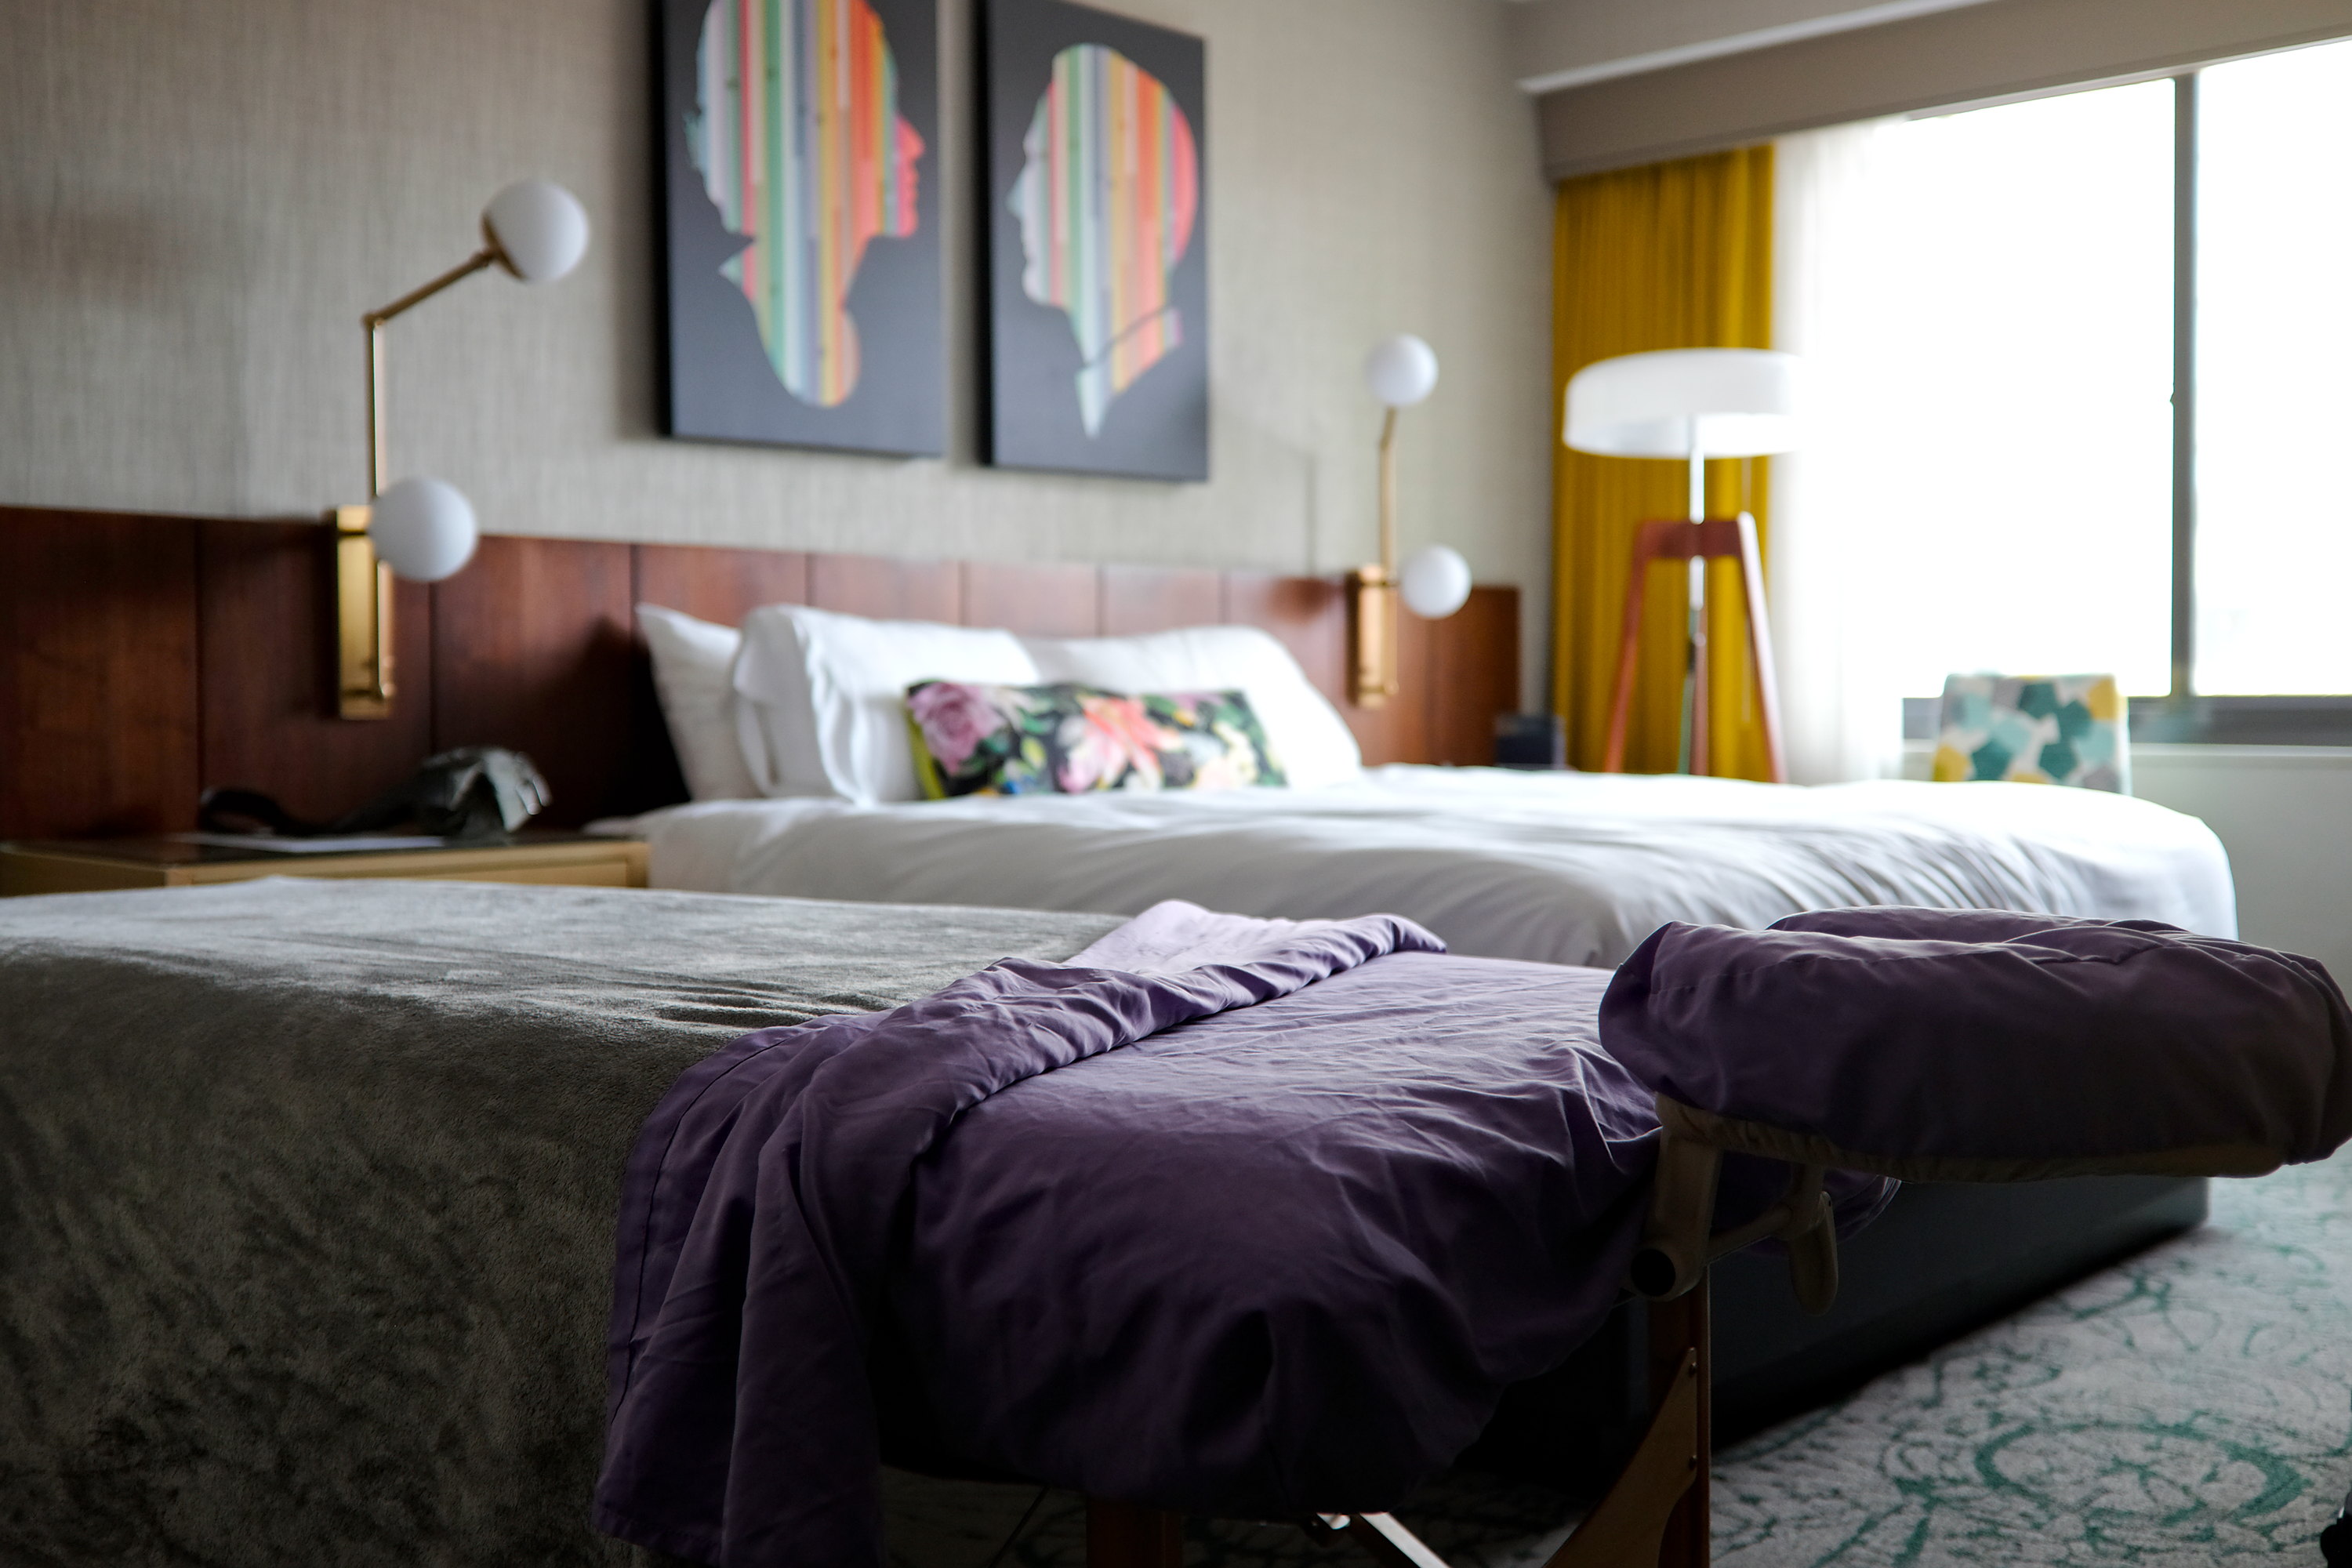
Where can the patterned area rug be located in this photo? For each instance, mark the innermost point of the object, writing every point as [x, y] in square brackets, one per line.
[2191, 1407]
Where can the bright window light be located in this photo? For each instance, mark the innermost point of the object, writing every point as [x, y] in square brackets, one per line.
[2010, 394]
[2273, 398]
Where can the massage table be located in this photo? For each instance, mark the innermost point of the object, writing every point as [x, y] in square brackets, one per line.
[1259, 1218]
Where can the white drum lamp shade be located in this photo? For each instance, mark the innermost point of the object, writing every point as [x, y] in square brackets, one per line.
[540, 230]
[423, 530]
[1686, 403]
[1402, 370]
[1436, 581]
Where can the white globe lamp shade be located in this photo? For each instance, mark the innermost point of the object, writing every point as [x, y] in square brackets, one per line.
[423, 528]
[1681, 402]
[1436, 581]
[539, 227]
[1402, 370]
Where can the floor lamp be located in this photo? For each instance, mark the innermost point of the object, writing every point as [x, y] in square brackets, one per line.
[1692, 404]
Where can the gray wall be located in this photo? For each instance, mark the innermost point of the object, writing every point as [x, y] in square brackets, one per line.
[198, 198]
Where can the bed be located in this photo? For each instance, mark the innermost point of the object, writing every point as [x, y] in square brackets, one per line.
[309, 1221]
[1558, 867]
[306, 1194]
[810, 739]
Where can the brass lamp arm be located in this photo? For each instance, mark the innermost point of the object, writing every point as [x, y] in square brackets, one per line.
[490, 255]
[1388, 495]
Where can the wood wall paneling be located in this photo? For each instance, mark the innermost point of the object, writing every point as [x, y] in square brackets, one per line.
[266, 623]
[141, 657]
[717, 584]
[98, 714]
[1140, 599]
[1308, 615]
[1062, 601]
[1473, 675]
[714, 584]
[886, 589]
[530, 649]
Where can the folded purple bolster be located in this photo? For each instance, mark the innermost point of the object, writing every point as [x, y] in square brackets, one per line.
[1989, 1036]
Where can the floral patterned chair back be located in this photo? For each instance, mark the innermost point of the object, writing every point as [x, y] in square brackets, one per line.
[2035, 729]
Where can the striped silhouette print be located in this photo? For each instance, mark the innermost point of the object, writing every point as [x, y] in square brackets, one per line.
[1106, 201]
[802, 150]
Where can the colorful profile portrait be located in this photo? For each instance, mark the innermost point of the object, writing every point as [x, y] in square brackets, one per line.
[1106, 200]
[800, 144]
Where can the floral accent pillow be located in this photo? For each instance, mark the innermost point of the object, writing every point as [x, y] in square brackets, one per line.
[1066, 739]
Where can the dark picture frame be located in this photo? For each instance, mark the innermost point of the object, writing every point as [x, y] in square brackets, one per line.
[762, 340]
[1095, 197]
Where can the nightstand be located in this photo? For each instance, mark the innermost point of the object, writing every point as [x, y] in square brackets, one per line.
[106, 865]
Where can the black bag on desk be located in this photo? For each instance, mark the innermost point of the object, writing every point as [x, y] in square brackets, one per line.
[472, 794]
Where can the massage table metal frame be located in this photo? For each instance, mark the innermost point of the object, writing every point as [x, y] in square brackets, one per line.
[1657, 1509]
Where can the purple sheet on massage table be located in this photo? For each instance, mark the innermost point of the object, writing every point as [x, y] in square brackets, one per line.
[1261, 1236]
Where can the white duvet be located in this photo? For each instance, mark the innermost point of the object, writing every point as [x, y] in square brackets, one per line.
[1561, 868]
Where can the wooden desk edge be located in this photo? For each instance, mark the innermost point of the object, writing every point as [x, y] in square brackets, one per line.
[25, 871]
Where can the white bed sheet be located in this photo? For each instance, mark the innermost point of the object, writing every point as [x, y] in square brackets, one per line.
[1560, 868]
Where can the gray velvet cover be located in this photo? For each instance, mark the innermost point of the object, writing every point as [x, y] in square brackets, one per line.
[307, 1195]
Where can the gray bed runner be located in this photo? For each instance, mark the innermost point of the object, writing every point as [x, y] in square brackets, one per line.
[306, 1194]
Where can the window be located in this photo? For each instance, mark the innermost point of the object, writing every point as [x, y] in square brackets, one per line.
[2026, 273]
[2015, 402]
[2274, 395]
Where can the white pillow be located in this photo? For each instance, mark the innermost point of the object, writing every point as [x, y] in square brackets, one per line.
[694, 663]
[1309, 738]
[826, 696]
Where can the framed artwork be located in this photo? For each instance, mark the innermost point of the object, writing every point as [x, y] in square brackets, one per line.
[799, 183]
[1096, 237]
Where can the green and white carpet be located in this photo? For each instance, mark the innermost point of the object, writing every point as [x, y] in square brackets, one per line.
[2191, 1407]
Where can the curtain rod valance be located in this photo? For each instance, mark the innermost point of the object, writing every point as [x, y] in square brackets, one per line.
[1980, 53]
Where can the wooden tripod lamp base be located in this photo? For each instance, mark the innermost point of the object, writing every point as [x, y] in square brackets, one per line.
[1671, 539]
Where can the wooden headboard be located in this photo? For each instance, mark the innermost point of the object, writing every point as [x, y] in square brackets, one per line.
[145, 658]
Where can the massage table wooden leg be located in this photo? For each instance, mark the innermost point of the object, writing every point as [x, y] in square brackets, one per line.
[1679, 1328]
[1128, 1535]
[1656, 1509]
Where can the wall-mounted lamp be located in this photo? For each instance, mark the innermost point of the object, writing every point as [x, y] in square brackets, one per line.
[424, 529]
[1401, 371]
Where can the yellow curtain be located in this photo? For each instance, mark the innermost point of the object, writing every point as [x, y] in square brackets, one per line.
[1673, 255]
